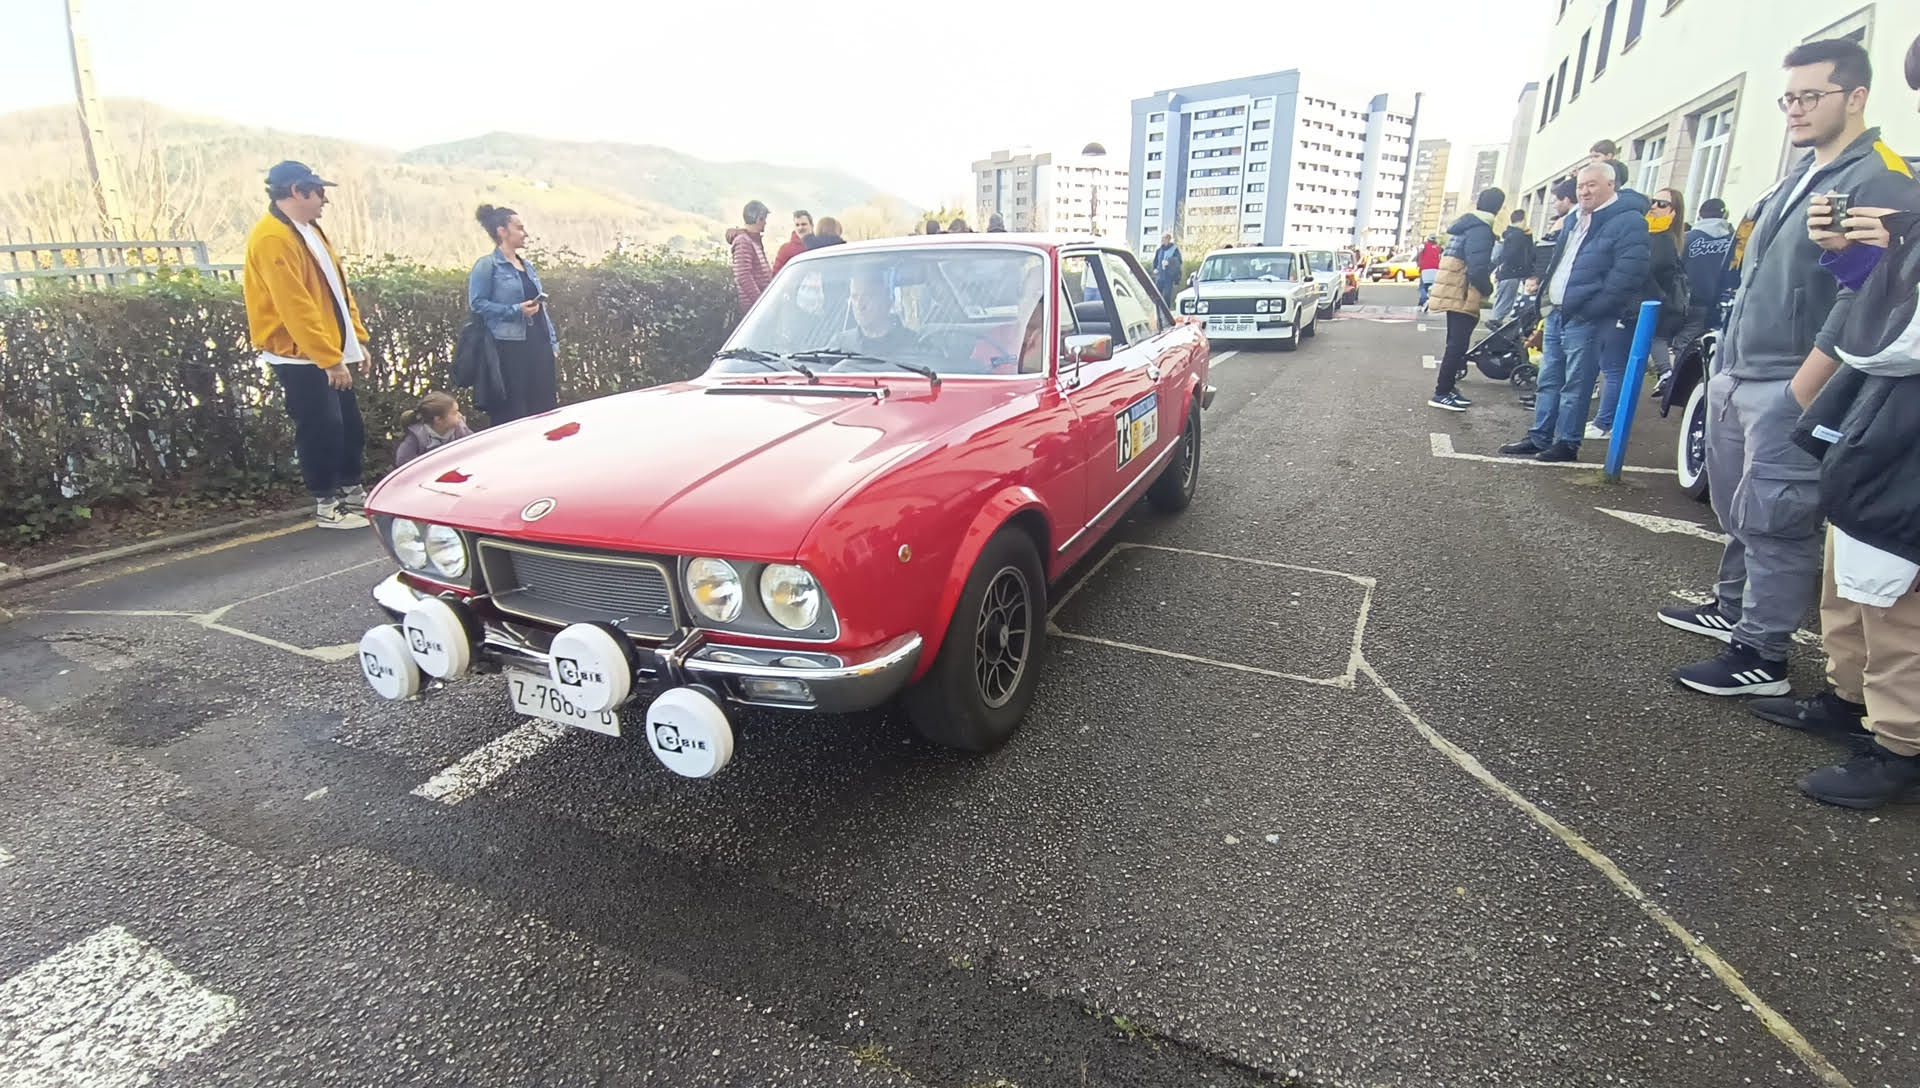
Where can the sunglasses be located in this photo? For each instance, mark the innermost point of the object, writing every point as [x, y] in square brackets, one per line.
[1662, 203]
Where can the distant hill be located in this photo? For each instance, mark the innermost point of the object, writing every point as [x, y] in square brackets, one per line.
[201, 177]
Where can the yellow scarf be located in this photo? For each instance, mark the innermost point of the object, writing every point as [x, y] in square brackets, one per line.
[1659, 221]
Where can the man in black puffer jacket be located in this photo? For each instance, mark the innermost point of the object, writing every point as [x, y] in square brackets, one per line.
[1516, 264]
[1865, 427]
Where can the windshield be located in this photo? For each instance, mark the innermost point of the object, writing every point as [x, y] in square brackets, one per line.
[1321, 262]
[1226, 267]
[951, 309]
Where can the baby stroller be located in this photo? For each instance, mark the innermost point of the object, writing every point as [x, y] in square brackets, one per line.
[1502, 355]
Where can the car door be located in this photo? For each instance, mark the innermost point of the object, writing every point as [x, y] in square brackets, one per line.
[1119, 416]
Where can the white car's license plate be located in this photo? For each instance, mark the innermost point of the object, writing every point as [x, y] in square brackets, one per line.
[539, 697]
[1229, 324]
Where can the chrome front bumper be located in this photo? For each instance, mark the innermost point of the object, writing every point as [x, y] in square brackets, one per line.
[744, 676]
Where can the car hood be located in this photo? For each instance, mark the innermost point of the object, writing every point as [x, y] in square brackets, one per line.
[679, 470]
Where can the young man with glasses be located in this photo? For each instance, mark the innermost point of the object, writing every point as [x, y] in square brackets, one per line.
[1789, 311]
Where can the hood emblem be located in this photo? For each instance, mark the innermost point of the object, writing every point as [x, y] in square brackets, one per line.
[537, 509]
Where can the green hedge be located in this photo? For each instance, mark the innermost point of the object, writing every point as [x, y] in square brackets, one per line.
[111, 395]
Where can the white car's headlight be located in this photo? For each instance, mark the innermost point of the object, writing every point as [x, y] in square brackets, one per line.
[446, 551]
[408, 543]
[792, 596]
[714, 588]
[1260, 307]
[1203, 307]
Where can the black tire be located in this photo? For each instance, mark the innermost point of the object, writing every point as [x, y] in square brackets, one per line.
[1174, 490]
[1690, 452]
[980, 686]
[1291, 343]
[1312, 328]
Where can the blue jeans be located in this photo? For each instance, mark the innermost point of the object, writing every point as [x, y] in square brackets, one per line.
[1427, 277]
[1568, 364]
[1616, 341]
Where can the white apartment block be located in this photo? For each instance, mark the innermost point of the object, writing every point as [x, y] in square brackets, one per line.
[1687, 88]
[1283, 158]
[1071, 194]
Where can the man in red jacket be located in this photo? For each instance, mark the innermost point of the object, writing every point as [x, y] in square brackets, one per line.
[796, 245]
[750, 272]
[1429, 265]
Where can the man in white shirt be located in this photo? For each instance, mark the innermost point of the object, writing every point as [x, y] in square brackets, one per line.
[307, 326]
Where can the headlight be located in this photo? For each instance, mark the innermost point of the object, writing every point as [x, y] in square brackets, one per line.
[1203, 307]
[408, 543]
[1260, 307]
[714, 587]
[1186, 305]
[446, 551]
[791, 595]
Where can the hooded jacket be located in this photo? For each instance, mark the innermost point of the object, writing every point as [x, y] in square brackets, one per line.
[420, 438]
[1516, 254]
[791, 248]
[1788, 304]
[1465, 279]
[1709, 259]
[1609, 270]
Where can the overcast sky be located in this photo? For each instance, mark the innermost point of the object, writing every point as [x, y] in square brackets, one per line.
[903, 95]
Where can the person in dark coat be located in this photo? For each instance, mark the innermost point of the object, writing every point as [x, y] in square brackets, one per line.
[825, 233]
[1666, 284]
[1461, 285]
[1516, 265]
[504, 290]
[1167, 264]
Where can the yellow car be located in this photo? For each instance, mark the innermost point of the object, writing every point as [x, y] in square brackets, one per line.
[1393, 271]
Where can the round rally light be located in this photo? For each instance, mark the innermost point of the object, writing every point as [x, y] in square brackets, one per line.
[387, 665]
[440, 636]
[690, 733]
[592, 663]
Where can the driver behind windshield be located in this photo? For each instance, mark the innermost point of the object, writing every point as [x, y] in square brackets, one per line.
[876, 330]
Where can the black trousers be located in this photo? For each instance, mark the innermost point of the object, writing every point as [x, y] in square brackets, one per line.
[1453, 365]
[327, 432]
[527, 370]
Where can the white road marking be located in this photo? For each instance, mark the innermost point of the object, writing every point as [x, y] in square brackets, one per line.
[1429, 362]
[479, 768]
[221, 612]
[1653, 523]
[1343, 682]
[1422, 326]
[108, 1011]
[1704, 954]
[195, 553]
[6, 857]
[323, 653]
[1223, 357]
[1442, 445]
[1803, 636]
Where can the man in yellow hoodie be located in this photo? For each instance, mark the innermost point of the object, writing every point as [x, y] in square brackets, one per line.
[307, 327]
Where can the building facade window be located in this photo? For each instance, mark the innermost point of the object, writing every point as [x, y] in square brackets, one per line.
[1708, 171]
[1606, 39]
[1546, 104]
[1256, 207]
[1259, 145]
[1153, 175]
[1156, 137]
[1155, 118]
[1580, 69]
[1560, 85]
[1259, 125]
[1262, 103]
[1153, 156]
[1636, 17]
[1646, 171]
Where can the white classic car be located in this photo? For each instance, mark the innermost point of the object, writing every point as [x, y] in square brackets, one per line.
[1255, 293]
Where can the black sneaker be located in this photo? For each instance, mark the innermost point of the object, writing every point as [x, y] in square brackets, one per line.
[1526, 447]
[1739, 670]
[1458, 399]
[1659, 389]
[1873, 777]
[1826, 714]
[1700, 620]
[1527, 400]
[1448, 403]
[1558, 453]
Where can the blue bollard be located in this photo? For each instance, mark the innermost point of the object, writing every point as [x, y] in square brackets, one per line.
[1630, 387]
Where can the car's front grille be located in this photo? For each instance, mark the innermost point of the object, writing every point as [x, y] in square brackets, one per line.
[1229, 306]
[560, 586]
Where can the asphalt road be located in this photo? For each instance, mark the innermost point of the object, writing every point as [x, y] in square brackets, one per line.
[1364, 771]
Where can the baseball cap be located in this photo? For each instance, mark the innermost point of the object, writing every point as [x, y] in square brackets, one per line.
[290, 174]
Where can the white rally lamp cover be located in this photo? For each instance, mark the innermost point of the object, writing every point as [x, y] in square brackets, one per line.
[440, 635]
[689, 732]
[592, 664]
[387, 663]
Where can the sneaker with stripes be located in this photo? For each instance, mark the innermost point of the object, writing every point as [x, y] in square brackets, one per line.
[1700, 620]
[1739, 670]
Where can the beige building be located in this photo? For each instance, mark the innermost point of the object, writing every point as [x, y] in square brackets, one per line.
[1073, 194]
[1687, 88]
[1426, 191]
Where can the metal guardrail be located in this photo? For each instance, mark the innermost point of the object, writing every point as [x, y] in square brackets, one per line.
[24, 266]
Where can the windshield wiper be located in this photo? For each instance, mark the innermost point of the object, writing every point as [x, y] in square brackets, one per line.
[821, 355]
[766, 359]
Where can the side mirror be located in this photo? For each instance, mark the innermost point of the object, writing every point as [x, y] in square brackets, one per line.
[1091, 348]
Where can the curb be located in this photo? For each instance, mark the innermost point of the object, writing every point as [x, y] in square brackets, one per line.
[12, 578]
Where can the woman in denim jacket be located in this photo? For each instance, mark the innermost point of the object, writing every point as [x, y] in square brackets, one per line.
[504, 291]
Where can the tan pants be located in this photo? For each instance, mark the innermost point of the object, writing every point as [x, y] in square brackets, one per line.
[1873, 657]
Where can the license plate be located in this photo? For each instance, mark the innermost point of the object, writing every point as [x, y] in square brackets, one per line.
[1229, 324]
[538, 696]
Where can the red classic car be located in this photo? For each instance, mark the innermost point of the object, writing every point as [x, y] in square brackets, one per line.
[866, 496]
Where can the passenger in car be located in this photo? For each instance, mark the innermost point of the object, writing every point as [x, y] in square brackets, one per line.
[876, 329]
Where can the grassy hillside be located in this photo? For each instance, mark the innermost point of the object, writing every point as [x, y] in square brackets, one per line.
[200, 177]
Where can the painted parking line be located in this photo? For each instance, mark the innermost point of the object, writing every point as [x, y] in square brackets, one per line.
[1223, 357]
[1429, 362]
[1442, 445]
[1654, 523]
[479, 768]
[6, 857]
[108, 1011]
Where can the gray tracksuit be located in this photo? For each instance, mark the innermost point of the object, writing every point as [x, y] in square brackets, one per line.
[1765, 488]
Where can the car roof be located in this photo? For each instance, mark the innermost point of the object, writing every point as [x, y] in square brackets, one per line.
[1035, 241]
[1263, 249]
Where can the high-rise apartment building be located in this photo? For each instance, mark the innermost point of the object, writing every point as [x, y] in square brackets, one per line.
[1428, 188]
[1283, 158]
[1073, 194]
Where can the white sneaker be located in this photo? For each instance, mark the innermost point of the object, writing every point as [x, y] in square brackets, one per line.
[1595, 432]
[332, 514]
[354, 499]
